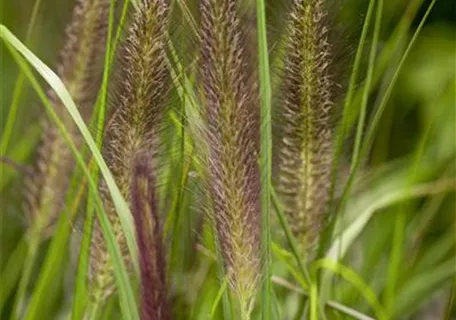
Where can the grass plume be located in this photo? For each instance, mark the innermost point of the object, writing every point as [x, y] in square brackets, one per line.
[154, 300]
[306, 112]
[80, 68]
[232, 117]
[139, 107]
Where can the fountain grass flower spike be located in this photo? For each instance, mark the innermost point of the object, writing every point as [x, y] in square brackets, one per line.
[80, 68]
[231, 113]
[154, 299]
[306, 114]
[136, 121]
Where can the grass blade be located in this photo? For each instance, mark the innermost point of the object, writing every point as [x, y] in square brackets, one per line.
[265, 155]
[373, 126]
[344, 123]
[350, 276]
[12, 271]
[395, 195]
[355, 314]
[289, 235]
[397, 250]
[367, 85]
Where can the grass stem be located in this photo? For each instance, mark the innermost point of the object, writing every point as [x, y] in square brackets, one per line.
[265, 156]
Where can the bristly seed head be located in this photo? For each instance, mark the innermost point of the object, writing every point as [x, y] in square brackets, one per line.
[80, 69]
[306, 112]
[154, 300]
[139, 108]
[232, 125]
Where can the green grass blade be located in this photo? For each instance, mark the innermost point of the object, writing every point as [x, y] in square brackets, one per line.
[354, 279]
[355, 314]
[11, 272]
[289, 235]
[29, 264]
[219, 296]
[383, 103]
[343, 126]
[394, 195]
[265, 155]
[126, 293]
[368, 84]
[120, 28]
[398, 240]
[283, 255]
[373, 126]
[103, 93]
[366, 89]
[387, 55]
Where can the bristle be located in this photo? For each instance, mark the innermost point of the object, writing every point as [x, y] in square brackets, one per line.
[306, 110]
[154, 300]
[80, 69]
[232, 116]
[139, 108]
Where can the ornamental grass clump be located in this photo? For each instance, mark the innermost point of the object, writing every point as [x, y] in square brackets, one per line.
[231, 115]
[217, 170]
[306, 113]
[80, 68]
[134, 127]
